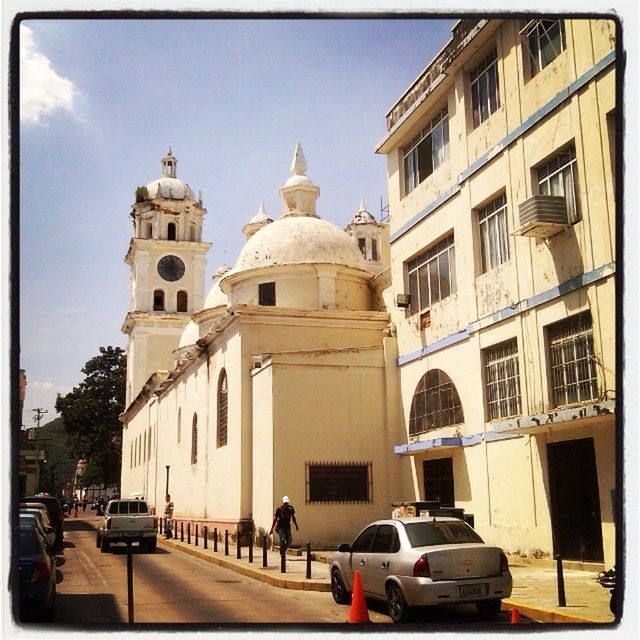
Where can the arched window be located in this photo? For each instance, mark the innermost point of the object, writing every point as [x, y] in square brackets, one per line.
[149, 446]
[182, 299]
[148, 230]
[143, 449]
[435, 403]
[171, 231]
[222, 409]
[194, 439]
[158, 300]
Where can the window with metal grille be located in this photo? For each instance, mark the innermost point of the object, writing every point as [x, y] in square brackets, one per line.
[559, 177]
[222, 409]
[544, 41]
[432, 275]
[435, 404]
[502, 380]
[427, 151]
[339, 482]
[194, 439]
[494, 239]
[267, 294]
[485, 90]
[574, 376]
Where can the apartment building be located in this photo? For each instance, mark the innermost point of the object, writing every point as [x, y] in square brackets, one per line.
[501, 172]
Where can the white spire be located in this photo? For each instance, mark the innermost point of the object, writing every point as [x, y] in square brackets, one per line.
[299, 163]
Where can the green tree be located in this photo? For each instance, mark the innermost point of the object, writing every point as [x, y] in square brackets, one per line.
[90, 414]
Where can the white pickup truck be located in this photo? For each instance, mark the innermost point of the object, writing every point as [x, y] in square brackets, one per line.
[127, 521]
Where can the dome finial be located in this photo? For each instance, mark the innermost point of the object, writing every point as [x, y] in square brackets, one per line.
[299, 164]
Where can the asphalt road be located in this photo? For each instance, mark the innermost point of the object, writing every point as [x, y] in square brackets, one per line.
[170, 587]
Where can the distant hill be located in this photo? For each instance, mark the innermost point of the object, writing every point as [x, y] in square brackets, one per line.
[54, 441]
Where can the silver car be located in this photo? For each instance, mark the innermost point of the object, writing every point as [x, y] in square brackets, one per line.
[411, 562]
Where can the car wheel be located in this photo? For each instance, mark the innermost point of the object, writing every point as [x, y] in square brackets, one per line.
[104, 545]
[98, 541]
[489, 609]
[150, 545]
[338, 590]
[398, 608]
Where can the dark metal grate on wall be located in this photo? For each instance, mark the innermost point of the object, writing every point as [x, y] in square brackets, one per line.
[339, 482]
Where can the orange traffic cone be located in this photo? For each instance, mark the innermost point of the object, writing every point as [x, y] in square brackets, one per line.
[358, 611]
[515, 615]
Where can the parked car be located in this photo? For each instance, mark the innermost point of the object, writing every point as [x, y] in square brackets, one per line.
[411, 562]
[47, 532]
[37, 575]
[55, 514]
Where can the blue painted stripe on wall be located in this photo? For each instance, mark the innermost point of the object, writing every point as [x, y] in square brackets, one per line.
[524, 305]
[509, 139]
[457, 441]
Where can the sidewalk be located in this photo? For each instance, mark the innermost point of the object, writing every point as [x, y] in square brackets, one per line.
[534, 593]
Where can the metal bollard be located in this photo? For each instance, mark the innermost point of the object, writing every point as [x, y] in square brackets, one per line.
[196, 534]
[250, 544]
[215, 539]
[182, 532]
[308, 561]
[188, 532]
[264, 551]
[283, 560]
[175, 526]
[206, 536]
[238, 545]
[226, 542]
[562, 600]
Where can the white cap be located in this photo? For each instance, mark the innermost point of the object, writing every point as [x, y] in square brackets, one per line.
[285, 498]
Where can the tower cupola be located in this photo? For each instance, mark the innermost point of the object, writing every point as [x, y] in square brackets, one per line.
[169, 165]
[299, 193]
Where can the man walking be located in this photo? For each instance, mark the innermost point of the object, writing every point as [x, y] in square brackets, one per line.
[168, 517]
[285, 513]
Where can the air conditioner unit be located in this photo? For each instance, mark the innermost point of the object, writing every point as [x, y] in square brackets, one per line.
[542, 216]
[403, 300]
[257, 362]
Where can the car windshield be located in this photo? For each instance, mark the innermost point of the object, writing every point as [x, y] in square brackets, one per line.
[426, 534]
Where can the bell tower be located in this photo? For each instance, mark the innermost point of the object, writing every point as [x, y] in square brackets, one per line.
[167, 260]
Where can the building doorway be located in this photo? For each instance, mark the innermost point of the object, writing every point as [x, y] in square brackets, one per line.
[438, 481]
[575, 505]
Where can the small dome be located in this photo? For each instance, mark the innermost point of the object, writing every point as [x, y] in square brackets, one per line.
[362, 216]
[190, 335]
[170, 188]
[299, 240]
[216, 297]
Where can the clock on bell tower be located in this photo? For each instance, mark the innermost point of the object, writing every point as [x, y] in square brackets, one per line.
[167, 269]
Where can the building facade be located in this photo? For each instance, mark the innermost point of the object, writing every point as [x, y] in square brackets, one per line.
[501, 173]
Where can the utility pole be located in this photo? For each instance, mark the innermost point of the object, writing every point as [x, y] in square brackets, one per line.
[39, 411]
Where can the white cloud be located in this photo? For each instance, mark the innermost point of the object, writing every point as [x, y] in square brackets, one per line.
[42, 89]
[44, 386]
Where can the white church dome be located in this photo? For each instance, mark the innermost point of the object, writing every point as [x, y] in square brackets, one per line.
[190, 335]
[299, 240]
[216, 297]
[170, 188]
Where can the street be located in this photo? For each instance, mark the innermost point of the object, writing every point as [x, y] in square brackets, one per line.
[171, 587]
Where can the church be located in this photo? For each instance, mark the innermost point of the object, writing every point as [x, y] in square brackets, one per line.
[280, 381]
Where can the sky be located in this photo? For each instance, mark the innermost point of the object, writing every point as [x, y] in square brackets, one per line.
[102, 101]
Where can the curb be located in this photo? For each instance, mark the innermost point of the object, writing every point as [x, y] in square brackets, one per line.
[257, 574]
[548, 615]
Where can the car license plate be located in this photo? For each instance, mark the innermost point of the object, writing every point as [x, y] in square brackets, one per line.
[474, 590]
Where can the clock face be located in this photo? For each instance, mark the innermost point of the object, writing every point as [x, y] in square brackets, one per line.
[171, 268]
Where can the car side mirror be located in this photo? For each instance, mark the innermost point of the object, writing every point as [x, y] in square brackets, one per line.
[344, 548]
